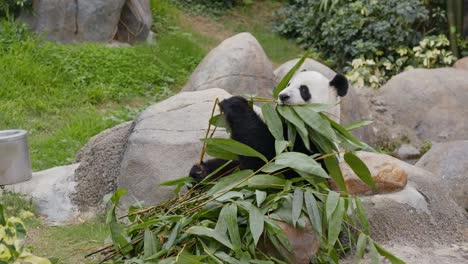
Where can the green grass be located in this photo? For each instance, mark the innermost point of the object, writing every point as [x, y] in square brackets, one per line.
[64, 94]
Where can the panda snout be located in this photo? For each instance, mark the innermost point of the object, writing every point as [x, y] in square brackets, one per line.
[284, 97]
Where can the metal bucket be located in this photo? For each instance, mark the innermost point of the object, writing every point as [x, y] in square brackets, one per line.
[14, 157]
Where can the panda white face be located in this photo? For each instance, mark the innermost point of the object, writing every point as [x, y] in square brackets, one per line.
[313, 87]
[305, 88]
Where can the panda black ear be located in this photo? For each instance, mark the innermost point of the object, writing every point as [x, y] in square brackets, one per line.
[341, 84]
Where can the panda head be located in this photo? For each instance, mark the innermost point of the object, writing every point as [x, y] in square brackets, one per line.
[313, 87]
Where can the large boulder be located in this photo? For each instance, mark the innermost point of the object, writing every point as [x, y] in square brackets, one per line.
[99, 168]
[164, 144]
[135, 21]
[84, 20]
[421, 215]
[238, 65]
[51, 190]
[461, 64]
[420, 105]
[448, 161]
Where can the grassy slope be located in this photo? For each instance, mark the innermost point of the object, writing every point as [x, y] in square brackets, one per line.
[65, 94]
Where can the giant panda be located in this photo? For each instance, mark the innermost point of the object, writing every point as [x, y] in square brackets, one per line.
[248, 128]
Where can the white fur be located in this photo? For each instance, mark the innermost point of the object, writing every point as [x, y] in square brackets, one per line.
[319, 89]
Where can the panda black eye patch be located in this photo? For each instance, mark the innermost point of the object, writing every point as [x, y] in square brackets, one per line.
[305, 94]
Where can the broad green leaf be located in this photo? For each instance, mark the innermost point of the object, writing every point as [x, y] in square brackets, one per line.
[219, 121]
[360, 247]
[292, 133]
[233, 226]
[360, 168]
[172, 237]
[313, 212]
[177, 181]
[119, 238]
[216, 152]
[2, 215]
[362, 215]
[316, 121]
[284, 82]
[260, 197]
[302, 162]
[205, 231]
[357, 124]
[272, 167]
[288, 113]
[335, 222]
[150, 244]
[234, 147]
[298, 201]
[256, 223]
[266, 181]
[229, 182]
[185, 258]
[221, 224]
[317, 107]
[273, 121]
[335, 172]
[280, 146]
[151, 222]
[331, 203]
[384, 253]
[230, 195]
[373, 253]
[226, 258]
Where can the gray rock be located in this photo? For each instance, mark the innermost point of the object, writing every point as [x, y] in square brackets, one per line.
[420, 105]
[164, 144]
[308, 65]
[448, 161]
[84, 20]
[461, 64]
[238, 65]
[100, 160]
[51, 190]
[421, 215]
[135, 21]
[407, 152]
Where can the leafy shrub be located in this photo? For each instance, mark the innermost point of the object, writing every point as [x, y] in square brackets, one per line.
[213, 7]
[374, 71]
[11, 8]
[350, 29]
[12, 234]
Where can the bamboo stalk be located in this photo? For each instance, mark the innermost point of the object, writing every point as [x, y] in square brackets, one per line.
[452, 26]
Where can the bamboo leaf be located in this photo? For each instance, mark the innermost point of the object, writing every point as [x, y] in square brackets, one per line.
[335, 172]
[316, 121]
[226, 258]
[302, 162]
[357, 124]
[374, 254]
[273, 121]
[335, 222]
[360, 168]
[172, 237]
[284, 82]
[313, 212]
[288, 113]
[177, 181]
[360, 247]
[150, 244]
[344, 132]
[205, 231]
[298, 201]
[256, 222]
[229, 182]
[218, 121]
[230, 215]
[362, 215]
[216, 152]
[384, 253]
[260, 196]
[272, 167]
[331, 203]
[233, 146]
[280, 146]
[266, 181]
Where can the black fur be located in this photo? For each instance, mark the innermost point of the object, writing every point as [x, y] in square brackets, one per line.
[247, 128]
[305, 93]
[200, 171]
[341, 84]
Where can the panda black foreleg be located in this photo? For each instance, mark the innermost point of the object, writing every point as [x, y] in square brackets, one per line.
[199, 171]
